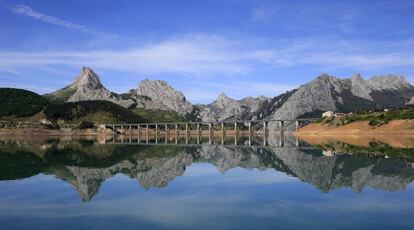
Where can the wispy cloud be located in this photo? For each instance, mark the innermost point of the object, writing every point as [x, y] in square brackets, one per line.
[203, 55]
[28, 11]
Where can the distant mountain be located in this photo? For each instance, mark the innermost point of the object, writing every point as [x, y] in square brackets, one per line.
[87, 87]
[321, 94]
[225, 108]
[344, 95]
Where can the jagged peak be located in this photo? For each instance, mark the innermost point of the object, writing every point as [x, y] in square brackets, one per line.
[388, 82]
[324, 77]
[158, 82]
[222, 95]
[357, 76]
[87, 78]
[390, 77]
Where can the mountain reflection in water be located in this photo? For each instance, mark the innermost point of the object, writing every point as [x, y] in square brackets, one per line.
[86, 164]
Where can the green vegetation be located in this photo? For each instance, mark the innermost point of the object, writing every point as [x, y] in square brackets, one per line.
[374, 149]
[60, 96]
[94, 111]
[20, 103]
[374, 118]
[158, 115]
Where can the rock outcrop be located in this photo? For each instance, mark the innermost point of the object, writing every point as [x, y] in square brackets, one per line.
[162, 97]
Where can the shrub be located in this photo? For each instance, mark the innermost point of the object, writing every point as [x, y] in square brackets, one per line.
[52, 126]
[86, 125]
[374, 122]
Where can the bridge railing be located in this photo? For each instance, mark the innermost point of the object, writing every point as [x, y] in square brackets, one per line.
[216, 122]
[281, 124]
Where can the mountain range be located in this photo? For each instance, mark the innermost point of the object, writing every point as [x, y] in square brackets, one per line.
[324, 93]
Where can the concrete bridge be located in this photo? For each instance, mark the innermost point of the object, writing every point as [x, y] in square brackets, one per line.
[238, 127]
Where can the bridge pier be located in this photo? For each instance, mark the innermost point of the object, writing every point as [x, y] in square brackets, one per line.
[198, 129]
[210, 135]
[236, 131]
[147, 127]
[176, 131]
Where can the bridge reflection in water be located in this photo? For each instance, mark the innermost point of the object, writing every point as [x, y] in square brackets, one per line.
[197, 130]
[272, 140]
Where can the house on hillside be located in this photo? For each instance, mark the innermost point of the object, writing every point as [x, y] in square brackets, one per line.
[328, 114]
[333, 114]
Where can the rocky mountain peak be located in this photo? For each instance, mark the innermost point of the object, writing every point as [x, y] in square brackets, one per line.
[87, 87]
[222, 95]
[357, 77]
[223, 99]
[360, 88]
[388, 82]
[163, 96]
[325, 78]
[87, 78]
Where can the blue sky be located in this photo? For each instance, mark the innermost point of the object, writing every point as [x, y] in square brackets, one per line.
[202, 48]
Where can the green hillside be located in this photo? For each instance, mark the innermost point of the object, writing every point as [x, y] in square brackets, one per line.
[95, 111]
[20, 103]
[60, 96]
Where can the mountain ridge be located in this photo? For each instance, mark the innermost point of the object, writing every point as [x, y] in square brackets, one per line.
[323, 93]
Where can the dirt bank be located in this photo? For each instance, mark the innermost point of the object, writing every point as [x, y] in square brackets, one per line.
[46, 132]
[364, 140]
[362, 127]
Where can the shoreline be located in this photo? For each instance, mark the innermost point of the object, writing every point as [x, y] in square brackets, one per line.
[395, 127]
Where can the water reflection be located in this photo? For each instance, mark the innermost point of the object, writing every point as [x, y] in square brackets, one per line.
[86, 164]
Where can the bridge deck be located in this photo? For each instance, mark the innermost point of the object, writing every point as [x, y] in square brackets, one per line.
[216, 122]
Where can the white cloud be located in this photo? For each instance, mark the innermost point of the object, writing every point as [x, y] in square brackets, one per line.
[28, 11]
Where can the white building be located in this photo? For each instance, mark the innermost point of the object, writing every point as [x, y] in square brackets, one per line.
[328, 114]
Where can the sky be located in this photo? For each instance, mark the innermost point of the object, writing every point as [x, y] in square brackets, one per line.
[203, 47]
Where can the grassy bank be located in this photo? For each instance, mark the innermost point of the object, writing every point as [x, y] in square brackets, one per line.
[373, 118]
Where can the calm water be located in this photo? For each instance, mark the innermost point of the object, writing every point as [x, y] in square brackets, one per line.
[87, 184]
